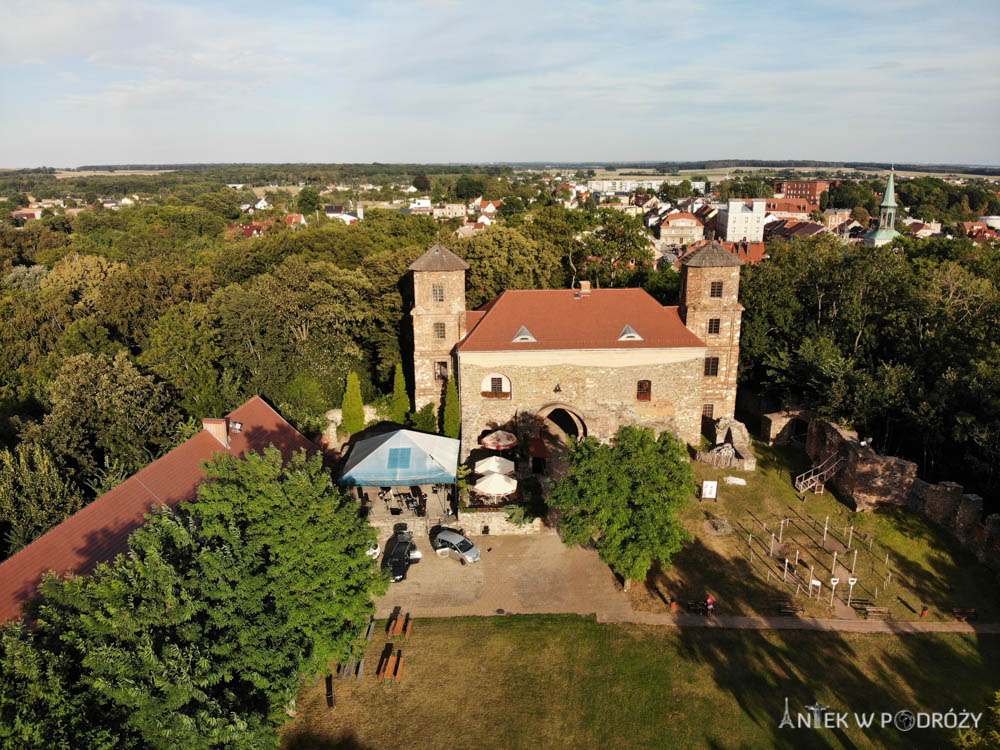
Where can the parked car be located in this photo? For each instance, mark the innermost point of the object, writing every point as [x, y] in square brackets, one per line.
[401, 555]
[455, 545]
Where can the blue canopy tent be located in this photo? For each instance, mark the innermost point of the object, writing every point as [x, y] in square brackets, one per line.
[402, 457]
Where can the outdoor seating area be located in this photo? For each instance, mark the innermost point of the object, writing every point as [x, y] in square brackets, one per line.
[419, 501]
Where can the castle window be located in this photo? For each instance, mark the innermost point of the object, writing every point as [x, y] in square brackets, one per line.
[716, 289]
[708, 411]
[441, 370]
[714, 324]
[711, 366]
[495, 385]
[643, 390]
[437, 293]
[439, 330]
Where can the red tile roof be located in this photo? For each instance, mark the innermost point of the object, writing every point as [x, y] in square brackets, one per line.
[100, 531]
[567, 319]
[681, 215]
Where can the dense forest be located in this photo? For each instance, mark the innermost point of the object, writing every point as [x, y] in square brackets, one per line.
[899, 342]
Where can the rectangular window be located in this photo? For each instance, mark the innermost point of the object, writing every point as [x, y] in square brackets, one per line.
[441, 370]
[711, 366]
[496, 385]
[399, 458]
[437, 292]
[716, 289]
[708, 411]
[714, 324]
[439, 330]
[643, 390]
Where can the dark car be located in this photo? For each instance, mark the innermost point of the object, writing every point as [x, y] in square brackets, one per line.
[401, 553]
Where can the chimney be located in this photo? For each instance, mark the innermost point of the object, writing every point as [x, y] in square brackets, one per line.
[584, 288]
[218, 428]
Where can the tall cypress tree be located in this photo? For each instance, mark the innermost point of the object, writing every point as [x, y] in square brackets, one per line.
[400, 406]
[452, 415]
[353, 408]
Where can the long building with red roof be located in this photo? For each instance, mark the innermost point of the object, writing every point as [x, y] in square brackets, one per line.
[584, 360]
[100, 531]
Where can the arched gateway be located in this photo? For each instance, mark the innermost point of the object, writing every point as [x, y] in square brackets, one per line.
[564, 417]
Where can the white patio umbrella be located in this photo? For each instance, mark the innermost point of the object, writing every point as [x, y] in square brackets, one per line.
[499, 440]
[496, 464]
[495, 485]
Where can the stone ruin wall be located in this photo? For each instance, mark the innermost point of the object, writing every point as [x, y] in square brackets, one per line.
[871, 480]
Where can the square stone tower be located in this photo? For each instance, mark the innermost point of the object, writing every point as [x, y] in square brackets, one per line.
[710, 308]
[438, 321]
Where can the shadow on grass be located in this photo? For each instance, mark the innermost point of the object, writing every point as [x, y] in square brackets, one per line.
[847, 672]
[308, 739]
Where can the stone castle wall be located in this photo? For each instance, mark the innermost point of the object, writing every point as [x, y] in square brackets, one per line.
[604, 397]
[871, 480]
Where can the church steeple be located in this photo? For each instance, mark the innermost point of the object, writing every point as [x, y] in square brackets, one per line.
[886, 230]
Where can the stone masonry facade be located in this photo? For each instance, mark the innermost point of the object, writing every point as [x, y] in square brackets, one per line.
[439, 300]
[698, 310]
[604, 398]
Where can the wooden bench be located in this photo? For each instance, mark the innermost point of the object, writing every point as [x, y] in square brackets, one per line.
[881, 613]
[790, 608]
[399, 668]
[965, 614]
[700, 608]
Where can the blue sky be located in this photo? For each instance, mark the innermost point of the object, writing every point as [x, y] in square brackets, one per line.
[140, 82]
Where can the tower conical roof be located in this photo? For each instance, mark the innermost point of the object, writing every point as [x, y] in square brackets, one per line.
[712, 255]
[889, 201]
[439, 258]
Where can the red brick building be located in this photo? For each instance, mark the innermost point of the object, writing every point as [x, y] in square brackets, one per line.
[811, 190]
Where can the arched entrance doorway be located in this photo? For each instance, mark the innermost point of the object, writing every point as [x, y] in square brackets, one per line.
[562, 420]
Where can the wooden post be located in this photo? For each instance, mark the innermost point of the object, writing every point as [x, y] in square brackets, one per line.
[784, 575]
[855, 562]
[850, 538]
[768, 575]
[871, 541]
[331, 699]
[887, 559]
[781, 531]
[825, 527]
[771, 553]
[796, 559]
[833, 568]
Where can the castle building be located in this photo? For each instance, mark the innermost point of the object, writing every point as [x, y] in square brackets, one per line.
[588, 360]
[886, 230]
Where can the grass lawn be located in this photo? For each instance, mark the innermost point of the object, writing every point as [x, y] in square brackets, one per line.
[564, 681]
[928, 566]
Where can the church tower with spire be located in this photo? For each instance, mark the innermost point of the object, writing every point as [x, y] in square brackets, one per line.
[886, 230]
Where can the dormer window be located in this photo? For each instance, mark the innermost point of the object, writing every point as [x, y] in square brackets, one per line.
[523, 336]
[629, 334]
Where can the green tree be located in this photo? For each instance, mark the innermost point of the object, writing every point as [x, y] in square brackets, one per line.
[105, 410]
[510, 207]
[468, 187]
[353, 408]
[35, 494]
[424, 420]
[987, 734]
[860, 215]
[400, 406]
[308, 200]
[626, 496]
[183, 350]
[502, 258]
[452, 416]
[421, 182]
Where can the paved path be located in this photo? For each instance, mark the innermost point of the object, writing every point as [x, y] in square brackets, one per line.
[733, 622]
[538, 574]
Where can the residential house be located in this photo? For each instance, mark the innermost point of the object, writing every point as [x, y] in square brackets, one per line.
[788, 208]
[834, 217]
[295, 220]
[24, 214]
[680, 228]
[450, 211]
[742, 219]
